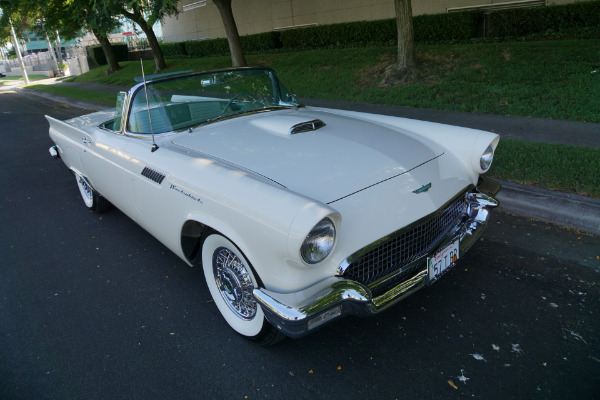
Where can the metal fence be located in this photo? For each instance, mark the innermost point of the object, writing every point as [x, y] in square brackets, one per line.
[42, 63]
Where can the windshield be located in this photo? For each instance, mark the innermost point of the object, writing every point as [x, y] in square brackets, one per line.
[184, 102]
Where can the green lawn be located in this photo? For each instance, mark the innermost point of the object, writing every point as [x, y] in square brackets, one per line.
[19, 77]
[548, 79]
[572, 169]
[76, 93]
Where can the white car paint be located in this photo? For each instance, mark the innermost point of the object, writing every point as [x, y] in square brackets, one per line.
[264, 188]
[256, 213]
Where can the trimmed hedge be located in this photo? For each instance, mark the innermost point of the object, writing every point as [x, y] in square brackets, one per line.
[175, 49]
[558, 18]
[204, 48]
[347, 34]
[260, 42]
[437, 28]
[97, 55]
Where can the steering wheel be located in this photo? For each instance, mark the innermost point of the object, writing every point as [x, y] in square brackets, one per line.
[249, 96]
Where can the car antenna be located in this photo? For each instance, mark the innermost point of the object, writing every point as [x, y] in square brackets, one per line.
[154, 145]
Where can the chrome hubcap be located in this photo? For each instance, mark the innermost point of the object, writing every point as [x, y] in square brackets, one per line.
[234, 283]
[86, 188]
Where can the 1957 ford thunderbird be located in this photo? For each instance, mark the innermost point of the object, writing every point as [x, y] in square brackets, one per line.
[297, 215]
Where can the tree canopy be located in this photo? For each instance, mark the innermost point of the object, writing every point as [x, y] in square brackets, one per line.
[145, 14]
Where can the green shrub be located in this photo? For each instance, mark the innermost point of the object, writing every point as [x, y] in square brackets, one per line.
[559, 18]
[175, 49]
[97, 55]
[206, 48]
[427, 28]
[261, 42]
[347, 34]
[437, 28]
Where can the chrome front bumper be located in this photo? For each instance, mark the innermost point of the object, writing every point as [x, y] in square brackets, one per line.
[297, 314]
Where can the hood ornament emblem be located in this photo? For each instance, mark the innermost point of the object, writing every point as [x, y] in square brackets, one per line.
[423, 189]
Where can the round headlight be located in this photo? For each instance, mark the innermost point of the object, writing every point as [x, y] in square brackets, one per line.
[486, 158]
[318, 242]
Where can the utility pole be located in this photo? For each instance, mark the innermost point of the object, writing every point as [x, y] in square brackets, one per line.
[18, 51]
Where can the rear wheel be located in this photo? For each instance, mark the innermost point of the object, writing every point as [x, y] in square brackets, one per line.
[91, 199]
[231, 283]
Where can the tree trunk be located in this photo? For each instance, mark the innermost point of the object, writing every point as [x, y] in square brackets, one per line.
[50, 48]
[235, 44]
[59, 48]
[51, 51]
[406, 36]
[24, 46]
[113, 64]
[157, 54]
[18, 51]
[404, 70]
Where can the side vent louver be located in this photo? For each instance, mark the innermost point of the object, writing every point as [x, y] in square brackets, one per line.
[307, 126]
[153, 175]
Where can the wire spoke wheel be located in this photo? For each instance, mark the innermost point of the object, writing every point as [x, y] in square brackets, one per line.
[91, 199]
[86, 191]
[231, 282]
[234, 283]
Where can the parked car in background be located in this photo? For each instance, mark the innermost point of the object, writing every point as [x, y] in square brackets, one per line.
[297, 215]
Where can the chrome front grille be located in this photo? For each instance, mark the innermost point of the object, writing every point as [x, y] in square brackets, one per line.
[395, 254]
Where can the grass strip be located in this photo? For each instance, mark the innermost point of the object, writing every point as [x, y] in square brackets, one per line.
[571, 169]
[548, 79]
[76, 93]
[553, 79]
[20, 78]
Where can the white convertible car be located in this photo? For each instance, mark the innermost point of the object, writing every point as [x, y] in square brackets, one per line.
[297, 215]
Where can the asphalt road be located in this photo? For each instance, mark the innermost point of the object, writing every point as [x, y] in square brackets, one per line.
[93, 307]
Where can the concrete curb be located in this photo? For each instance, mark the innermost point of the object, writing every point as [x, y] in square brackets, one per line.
[559, 208]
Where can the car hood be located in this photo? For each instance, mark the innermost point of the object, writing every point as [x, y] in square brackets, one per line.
[343, 157]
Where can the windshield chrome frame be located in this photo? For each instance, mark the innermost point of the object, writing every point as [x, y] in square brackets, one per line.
[127, 101]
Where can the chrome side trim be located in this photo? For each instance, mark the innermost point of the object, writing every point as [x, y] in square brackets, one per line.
[125, 112]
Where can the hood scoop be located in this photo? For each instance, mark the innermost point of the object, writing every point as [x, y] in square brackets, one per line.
[286, 124]
[307, 126]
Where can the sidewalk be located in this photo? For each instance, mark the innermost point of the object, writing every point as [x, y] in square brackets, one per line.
[563, 209]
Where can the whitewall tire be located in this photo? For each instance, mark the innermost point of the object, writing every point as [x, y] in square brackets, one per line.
[231, 283]
[91, 199]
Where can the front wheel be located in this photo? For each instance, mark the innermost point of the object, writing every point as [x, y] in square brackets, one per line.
[231, 283]
[91, 199]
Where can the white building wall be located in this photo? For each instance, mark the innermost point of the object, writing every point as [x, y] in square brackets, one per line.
[256, 16]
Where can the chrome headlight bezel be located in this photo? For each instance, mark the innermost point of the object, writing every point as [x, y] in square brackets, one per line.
[486, 159]
[319, 242]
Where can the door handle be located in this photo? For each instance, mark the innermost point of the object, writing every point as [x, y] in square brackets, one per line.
[86, 140]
